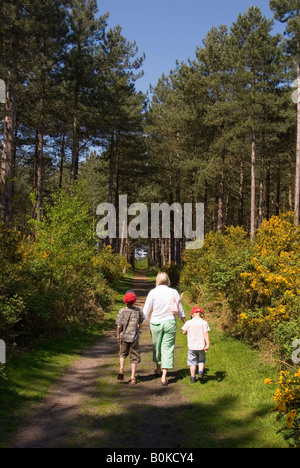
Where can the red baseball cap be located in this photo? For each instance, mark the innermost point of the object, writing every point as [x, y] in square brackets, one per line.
[130, 298]
[197, 310]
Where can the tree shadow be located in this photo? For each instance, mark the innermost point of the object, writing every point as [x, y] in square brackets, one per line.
[169, 426]
[142, 416]
[175, 376]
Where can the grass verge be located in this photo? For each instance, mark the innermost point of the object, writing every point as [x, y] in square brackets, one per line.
[30, 374]
[231, 407]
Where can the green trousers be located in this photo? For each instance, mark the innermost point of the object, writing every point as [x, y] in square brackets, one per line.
[163, 337]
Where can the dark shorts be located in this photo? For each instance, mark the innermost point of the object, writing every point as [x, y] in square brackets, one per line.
[132, 350]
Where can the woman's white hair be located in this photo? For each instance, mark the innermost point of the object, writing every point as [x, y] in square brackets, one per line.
[163, 279]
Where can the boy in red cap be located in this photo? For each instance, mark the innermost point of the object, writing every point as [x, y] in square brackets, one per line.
[197, 331]
[128, 324]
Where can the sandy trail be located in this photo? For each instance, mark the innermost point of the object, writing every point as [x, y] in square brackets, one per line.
[89, 408]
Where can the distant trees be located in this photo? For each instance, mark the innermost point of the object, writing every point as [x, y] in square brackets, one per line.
[257, 77]
[12, 40]
[289, 12]
[68, 80]
[233, 111]
[221, 129]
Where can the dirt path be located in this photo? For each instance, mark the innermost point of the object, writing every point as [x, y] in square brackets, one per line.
[90, 408]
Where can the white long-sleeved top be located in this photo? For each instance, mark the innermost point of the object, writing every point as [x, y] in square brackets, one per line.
[161, 300]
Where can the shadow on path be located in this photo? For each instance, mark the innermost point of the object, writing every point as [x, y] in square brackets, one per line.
[90, 408]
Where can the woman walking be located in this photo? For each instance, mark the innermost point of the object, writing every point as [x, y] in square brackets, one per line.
[163, 323]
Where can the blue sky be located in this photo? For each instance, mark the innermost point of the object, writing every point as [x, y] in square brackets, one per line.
[167, 30]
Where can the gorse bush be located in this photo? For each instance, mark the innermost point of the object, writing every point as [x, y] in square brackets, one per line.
[272, 283]
[287, 404]
[216, 268]
[110, 264]
[260, 280]
[58, 277]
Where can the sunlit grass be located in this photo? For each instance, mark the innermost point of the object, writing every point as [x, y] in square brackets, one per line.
[231, 408]
[234, 405]
[31, 373]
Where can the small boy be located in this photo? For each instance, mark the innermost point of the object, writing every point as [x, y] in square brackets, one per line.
[197, 331]
[128, 324]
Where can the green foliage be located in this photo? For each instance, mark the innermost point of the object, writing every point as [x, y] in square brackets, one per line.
[9, 250]
[217, 266]
[259, 280]
[111, 265]
[11, 306]
[173, 272]
[59, 278]
[3, 377]
[287, 11]
[287, 405]
[285, 333]
[11, 311]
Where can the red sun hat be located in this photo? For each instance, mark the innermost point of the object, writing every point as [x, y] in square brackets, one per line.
[130, 298]
[197, 310]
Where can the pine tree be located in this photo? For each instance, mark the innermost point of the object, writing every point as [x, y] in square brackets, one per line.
[85, 36]
[288, 11]
[214, 66]
[167, 128]
[48, 27]
[257, 64]
[11, 22]
[123, 106]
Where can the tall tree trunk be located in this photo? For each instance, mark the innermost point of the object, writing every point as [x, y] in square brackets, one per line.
[253, 187]
[220, 225]
[297, 184]
[62, 158]
[178, 241]
[40, 150]
[111, 179]
[262, 188]
[165, 250]
[278, 188]
[116, 171]
[268, 188]
[290, 177]
[115, 242]
[130, 252]
[171, 243]
[8, 156]
[206, 229]
[7, 169]
[241, 195]
[158, 257]
[113, 189]
[111, 168]
[216, 213]
[75, 137]
[226, 211]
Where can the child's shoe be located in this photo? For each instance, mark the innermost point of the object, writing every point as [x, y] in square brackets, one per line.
[193, 379]
[200, 375]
